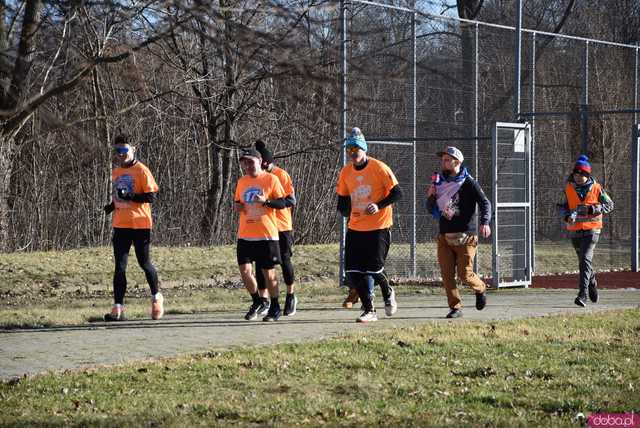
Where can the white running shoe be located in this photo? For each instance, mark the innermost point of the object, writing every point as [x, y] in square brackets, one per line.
[369, 316]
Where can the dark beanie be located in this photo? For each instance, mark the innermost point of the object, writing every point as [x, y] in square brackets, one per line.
[267, 157]
[120, 139]
[582, 165]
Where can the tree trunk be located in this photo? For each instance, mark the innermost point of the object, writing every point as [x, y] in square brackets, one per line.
[211, 209]
[7, 148]
[102, 132]
[221, 158]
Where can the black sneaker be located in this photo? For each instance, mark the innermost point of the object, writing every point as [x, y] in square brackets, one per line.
[593, 291]
[290, 305]
[253, 312]
[481, 301]
[390, 303]
[273, 314]
[580, 302]
[263, 309]
[116, 314]
[113, 318]
[454, 313]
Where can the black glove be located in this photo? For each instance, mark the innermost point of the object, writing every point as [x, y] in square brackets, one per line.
[123, 194]
[109, 208]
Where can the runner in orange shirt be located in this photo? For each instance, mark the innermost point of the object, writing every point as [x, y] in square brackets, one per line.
[134, 190]
[366, 190]
[285, 229]
[258, 195]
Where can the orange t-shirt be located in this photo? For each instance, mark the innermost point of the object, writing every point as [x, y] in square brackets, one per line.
[369, 185]
[258, 222]
[135, 179]
[283, 216]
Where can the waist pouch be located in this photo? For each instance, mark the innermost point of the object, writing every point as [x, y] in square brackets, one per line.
[459, 238]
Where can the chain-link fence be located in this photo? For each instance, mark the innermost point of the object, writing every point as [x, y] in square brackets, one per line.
[427, 81]
[414, 83]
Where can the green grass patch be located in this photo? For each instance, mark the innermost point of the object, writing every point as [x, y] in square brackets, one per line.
[43, 289]
[536, 372]
[89, 269]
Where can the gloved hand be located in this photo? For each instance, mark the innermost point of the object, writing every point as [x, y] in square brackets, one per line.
[123, 194]
[109, 208]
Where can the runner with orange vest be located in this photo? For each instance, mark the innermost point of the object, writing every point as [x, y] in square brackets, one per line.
[585, 204]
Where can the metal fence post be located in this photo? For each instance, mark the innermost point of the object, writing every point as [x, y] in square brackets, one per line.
[584, 128]
[476, 163]
[534, 219]
[635, 175]
[635, 86]
[495, 261]
[343, 121]
[584, 107]
[517, 60]
[635, 196]
[414, 127]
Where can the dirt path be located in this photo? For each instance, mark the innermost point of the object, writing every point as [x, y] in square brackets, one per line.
[35, 351]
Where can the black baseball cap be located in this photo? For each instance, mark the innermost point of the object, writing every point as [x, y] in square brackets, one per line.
[250, 153]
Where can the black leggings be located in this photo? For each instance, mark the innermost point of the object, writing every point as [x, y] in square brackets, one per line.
[364, 284]
[287, 273]
[122, 240]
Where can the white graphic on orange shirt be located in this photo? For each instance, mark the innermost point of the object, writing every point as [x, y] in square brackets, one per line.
[361, 196]
[253, 210]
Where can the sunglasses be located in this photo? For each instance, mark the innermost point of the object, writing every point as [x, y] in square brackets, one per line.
[352, 150]
[121, 150]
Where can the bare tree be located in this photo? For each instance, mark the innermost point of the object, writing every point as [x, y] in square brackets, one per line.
[39, 62]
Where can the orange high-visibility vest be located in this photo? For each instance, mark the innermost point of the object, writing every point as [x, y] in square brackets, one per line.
[584, 222]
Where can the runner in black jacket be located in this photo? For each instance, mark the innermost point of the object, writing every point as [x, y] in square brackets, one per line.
[452, 199]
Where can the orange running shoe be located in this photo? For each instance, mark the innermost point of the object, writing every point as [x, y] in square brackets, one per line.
[157, 306]
[352, 298]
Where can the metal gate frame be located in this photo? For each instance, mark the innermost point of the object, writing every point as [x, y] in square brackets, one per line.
[498, 282]
[635, 197]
